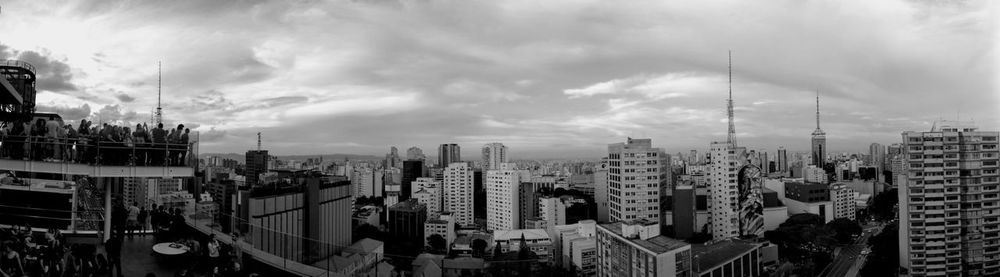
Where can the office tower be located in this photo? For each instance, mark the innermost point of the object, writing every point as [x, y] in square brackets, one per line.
[818, 141]
[502, 207]
[412, 169]
[448, 154]
[458, 197]
[406, 220]
[528, 199]
[693, 157]
[949, 220]
[764, 161]
[427, 191]
[256, 164]
[494, 154]
[876, 155]
[601, 191]
[635, 180]
[782, 160]
[725, 161]
[842, 197]
[415, 153]
[636, 248]
[315, 216]
[684, 211]
[392, 159]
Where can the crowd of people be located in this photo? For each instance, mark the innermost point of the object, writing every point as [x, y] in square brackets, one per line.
[27, 253]
[205, 256]
[106, 144]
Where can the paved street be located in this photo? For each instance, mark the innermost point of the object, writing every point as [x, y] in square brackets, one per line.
[851, 255]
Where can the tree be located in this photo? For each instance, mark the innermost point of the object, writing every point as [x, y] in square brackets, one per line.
[883, 207]
[437, 243]
[885, 253]
[478, 247]
[845, 229]
[804, 240]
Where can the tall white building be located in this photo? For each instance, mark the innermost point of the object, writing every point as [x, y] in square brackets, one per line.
[949, 208]
[494, 154]
[637, 179]
[725, 161]
[844, 205]
[502, 201]
[458, 192]
[427, 191]
[552, 210]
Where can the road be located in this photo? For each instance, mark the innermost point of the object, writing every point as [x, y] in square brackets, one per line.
[850, 255]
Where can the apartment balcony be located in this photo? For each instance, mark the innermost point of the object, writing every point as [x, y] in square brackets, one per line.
[75, 157]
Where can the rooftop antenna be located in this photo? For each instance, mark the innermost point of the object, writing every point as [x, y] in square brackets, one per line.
[817, 109]
[732, 127]
[258, 141]
[159, 92]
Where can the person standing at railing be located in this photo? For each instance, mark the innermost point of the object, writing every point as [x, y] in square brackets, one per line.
[71, 143]
[186, 144]
[139, 140]
[52, 129]
[171, 147]
[157, 155]
[83, 141]
[35, 145]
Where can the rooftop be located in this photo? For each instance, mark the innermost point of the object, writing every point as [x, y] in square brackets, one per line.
[657, 244]
[516, 234]
[708, 256]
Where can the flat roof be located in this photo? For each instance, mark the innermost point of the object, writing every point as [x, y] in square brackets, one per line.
[657, 244]
[710, 256]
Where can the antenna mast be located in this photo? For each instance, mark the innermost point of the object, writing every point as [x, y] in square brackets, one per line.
[159, 92]
[732, 127]
[817, 109]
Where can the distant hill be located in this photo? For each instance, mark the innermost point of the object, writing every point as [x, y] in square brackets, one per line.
[332, 157]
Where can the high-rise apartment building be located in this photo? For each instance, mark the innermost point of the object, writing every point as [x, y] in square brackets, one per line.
[502, 207]
[949, 211]
[876, 155]
[725, 161]
[844, 205]
[256, 165]
[392, 159]
[636, 180]
[458, 197]
[449, 153]
[412, 169]
[494, 154]
[818, 141]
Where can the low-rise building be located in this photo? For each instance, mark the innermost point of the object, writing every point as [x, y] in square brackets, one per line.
[636, 248]
[726, 258]
[443, 225]
[537, 241]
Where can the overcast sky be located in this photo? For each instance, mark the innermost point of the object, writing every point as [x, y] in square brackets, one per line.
[546, 78]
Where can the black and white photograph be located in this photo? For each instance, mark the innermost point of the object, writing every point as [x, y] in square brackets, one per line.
[499, 138]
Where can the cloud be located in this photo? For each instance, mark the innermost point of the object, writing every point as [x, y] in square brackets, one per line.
[552, 78]
[68, 113]
[125, 98]
[52, 74]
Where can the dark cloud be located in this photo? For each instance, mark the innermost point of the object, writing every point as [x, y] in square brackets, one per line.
[53, 75]
[125, 98]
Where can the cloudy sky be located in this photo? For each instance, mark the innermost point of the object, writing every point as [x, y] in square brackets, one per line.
[546, 78]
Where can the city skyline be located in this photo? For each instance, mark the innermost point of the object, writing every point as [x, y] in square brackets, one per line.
[547, 80]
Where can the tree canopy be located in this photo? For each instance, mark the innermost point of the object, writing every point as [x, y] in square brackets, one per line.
[845, 229]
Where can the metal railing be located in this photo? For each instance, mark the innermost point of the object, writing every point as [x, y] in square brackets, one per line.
[17, 63]
[97, 152]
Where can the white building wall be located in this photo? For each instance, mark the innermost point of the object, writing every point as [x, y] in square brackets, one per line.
[458, 193]
[724, 166]
[502, 201]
